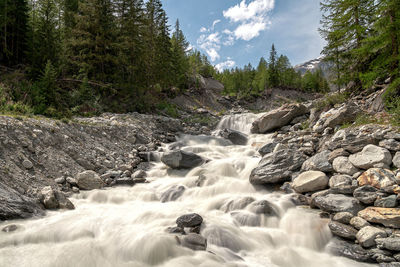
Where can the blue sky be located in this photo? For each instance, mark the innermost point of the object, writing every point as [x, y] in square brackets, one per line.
[235, 32]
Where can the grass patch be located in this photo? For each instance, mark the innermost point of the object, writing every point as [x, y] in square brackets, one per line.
[364, 119]
[168, 108]
[330, 101]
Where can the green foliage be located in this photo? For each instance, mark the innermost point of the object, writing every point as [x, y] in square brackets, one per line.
[168, 109]
[331, 100]
[391, 98]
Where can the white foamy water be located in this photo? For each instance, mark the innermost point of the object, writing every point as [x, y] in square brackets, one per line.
[125, 226]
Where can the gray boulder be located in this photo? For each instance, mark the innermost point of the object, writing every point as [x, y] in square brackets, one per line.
[342, 184]
[27, 164]
[278, 118]
[342, 230]
[267, 148]
[236, 137]
[344, 166]
[367, 235]
[366, 194]
[343, 217]
[189, 220]
[277, 167]
[9, 228]
[350, 139]
[318, 162]
[396, 160]
[89, 180]
[310, 181]
[337, 116]
[349, 250]
[334, 203]
[370, 156]
[264, 207]
[179, 159]
[358, 222]
[386, 202]
[47, 198]
[390, 144]
[391, 243]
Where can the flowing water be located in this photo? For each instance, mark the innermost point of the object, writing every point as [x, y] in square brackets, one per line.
[125, 226]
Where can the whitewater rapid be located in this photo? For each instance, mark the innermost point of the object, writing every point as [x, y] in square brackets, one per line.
[126, 226]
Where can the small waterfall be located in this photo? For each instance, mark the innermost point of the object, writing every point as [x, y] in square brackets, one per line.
[125, 226]
[239, 122]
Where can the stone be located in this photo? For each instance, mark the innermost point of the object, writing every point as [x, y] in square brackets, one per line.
[310, 181]
[392, 264]
[237, 204]
[343, 217]
[48, 198]
[246, 218]
[9, 228]
[386, 202]
[278, 118]
[267, 148]
[75, 190]
[89, 180]
[344, 166]
[391, 243]
[358, 222]
[389, 217]
[277, 167]
[125, 181]
[236, 137]
[367, 235]
[139, 174]
[342, 184]
[173, 193]
[349, 250]
[27, 164]
[175, 230]
[189, 220]
[342, 230]
[340, 152]
[63, 202]
[390, 144]
[366, 194]
[337, 116]
[318, 162]
[351, 139]
[193, 241]
[72, 181]
[378, 178]
[60, 180]
[334, 203]
[370, 156]
[179, 159]
[396, 160]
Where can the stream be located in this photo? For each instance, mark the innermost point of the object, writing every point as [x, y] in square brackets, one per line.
[126, 226]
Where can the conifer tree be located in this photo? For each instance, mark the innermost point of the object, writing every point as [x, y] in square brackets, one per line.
[273, 75]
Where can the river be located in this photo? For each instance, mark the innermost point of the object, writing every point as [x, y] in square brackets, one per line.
[125, 226]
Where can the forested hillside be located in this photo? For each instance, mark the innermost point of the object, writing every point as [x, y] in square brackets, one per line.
[61, 57]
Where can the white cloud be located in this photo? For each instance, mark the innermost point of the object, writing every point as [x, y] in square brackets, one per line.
[210, 44]
[229, 38]
[229, 63]
[203, 29]
[253, 18]
[215, 23]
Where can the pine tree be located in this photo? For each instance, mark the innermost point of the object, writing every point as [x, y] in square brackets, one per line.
[13, 31]
[180, 62]
[261, 76]
[273, 75]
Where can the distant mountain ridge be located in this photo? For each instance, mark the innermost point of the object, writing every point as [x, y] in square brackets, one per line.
[315, 64]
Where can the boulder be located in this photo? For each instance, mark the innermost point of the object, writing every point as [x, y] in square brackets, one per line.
[189, 220]
[27, 164]
[389, 217]
[334, 203]
[391, 243]
[125, 181]
[344, 166]
[342, 230]
[396, 160]
[343, 217]
[277, 167]
[386, 202]
[366, 194]
[267, 148]
[179, 159]
[367, 235]
[47, 198]
[349, 250]
[9, 228]
[339, 152]
[139, 174]
[236, 137]
[358, 222]
[89, 180]
[352, 140]
[390, 144]
[378, 178]
[173, 193]
[310, 181]
[278, 118]
[264, 207]
[318, 162]
[246, 218]
[193, 241]
[371, 156]
[337, 116]
[342, 184]
[237, 204]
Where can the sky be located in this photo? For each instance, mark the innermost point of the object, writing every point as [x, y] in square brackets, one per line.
[237, 32]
